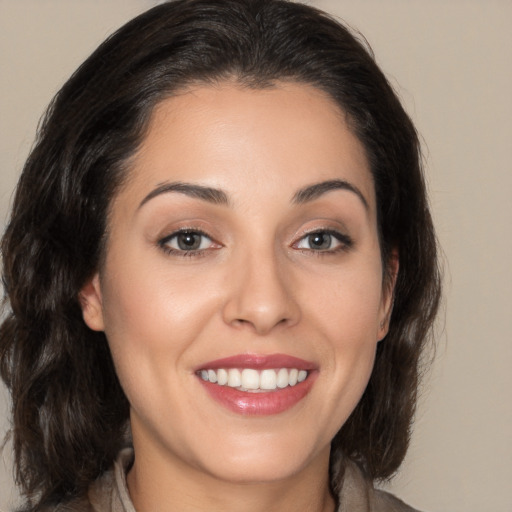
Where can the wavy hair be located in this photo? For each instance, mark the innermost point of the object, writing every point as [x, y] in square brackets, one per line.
[69, 413]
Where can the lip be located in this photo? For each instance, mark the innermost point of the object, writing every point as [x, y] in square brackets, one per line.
[261, 403]
[258, 362]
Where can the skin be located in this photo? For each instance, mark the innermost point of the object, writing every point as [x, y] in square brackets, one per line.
[257, 285]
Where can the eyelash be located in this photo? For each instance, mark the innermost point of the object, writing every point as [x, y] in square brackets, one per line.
[164, 243]
[345, 243]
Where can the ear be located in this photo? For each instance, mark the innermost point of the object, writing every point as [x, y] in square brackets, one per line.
[92, 304]
[388, 294]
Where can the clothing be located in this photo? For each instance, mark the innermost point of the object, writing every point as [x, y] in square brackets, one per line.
[110, 492]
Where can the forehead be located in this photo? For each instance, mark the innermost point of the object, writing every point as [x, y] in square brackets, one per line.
[225, 136]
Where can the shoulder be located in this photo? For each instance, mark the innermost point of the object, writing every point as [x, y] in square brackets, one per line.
[77, 505]
[97, 500]
[107, 494]
[358, 494]
[385, 502]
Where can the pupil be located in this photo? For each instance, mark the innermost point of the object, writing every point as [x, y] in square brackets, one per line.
[320, 241]
[188, 241]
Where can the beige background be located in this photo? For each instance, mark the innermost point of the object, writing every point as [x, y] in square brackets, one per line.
[450, 61]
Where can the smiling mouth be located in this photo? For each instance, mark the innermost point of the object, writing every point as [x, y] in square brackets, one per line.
[258, 384]
[252, 380]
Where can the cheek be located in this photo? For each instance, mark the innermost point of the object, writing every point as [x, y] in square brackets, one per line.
[152, 318]
[349, 303]
[347, 316]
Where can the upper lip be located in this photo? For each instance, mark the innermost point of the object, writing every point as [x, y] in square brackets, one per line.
[258, 362]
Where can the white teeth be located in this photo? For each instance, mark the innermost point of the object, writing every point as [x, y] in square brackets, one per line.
[234, 378]
[282, 378]
[222, 377]
[268, 379]
[249, 379]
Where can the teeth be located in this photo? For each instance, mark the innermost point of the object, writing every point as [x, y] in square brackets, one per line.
[249, 379]
[222, 377]
[234, 378]
[282, 378]
[268, 379]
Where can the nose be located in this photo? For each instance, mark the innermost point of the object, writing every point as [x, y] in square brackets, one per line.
[261, 295]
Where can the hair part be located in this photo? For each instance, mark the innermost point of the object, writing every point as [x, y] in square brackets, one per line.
[69, 411]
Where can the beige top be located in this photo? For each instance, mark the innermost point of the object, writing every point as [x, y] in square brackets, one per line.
[110, 492]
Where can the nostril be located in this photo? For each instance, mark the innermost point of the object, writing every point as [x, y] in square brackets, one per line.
[260, 301]
[260, 326]
[242, 323]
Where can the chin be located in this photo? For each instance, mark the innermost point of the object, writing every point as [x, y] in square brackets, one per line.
[267, 461]
[256, 470]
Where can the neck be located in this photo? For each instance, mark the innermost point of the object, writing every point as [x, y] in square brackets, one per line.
[158, 483]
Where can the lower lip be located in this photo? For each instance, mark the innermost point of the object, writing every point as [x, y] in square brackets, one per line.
[260, 403]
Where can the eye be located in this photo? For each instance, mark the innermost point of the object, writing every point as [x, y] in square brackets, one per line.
[187, 241]
[324, 241]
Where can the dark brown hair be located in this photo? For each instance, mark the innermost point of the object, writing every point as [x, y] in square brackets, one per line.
[69, 411]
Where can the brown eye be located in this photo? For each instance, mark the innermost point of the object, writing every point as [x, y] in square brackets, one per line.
[185, 241]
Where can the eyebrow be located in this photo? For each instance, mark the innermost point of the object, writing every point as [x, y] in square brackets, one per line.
[217, 196]
[312, 192]
[208, 194]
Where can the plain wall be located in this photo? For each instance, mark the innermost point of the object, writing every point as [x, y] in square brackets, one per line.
[450, 61]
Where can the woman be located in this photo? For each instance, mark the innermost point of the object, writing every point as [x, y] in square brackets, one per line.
[221, 271]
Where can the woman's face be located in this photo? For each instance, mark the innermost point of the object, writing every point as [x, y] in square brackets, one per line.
[242, 293]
